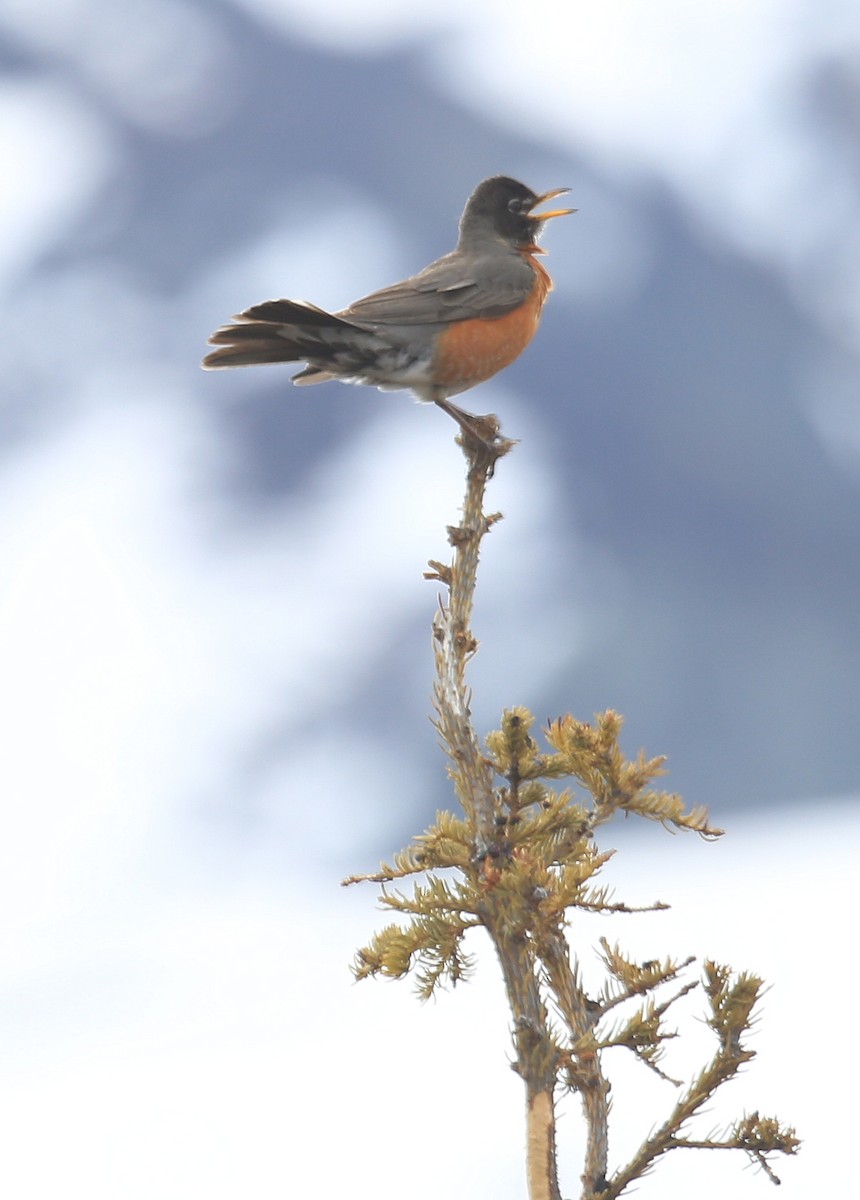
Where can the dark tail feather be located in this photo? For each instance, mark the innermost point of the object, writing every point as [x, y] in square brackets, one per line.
[293, 312]
[271, 332]
[249, 353]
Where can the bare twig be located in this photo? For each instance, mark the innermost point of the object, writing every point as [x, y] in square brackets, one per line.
[454, 643]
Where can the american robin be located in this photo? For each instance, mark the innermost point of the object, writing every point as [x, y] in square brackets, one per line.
[454, 324]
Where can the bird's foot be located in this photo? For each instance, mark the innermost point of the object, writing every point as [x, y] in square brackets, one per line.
[480, 436]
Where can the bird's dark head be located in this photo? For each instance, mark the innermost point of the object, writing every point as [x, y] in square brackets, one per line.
[505, 208]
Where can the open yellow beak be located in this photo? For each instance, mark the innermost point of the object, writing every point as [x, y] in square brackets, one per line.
[556, 212]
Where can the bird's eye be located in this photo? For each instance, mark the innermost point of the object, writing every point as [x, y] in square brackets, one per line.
[518, 205]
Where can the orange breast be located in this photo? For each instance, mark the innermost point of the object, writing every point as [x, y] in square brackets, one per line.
[468, 352]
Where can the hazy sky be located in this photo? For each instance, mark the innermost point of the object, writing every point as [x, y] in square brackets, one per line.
[178, 1016]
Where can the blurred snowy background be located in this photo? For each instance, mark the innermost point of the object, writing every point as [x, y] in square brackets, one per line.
[214, 634]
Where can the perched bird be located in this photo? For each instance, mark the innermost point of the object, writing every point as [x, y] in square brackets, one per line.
[454, 324]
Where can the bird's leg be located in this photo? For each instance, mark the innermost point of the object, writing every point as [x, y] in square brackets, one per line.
[481, 431]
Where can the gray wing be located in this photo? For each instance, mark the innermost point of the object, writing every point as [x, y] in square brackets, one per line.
[450, 289]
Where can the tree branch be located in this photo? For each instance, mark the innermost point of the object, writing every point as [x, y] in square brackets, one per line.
[523, 856]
